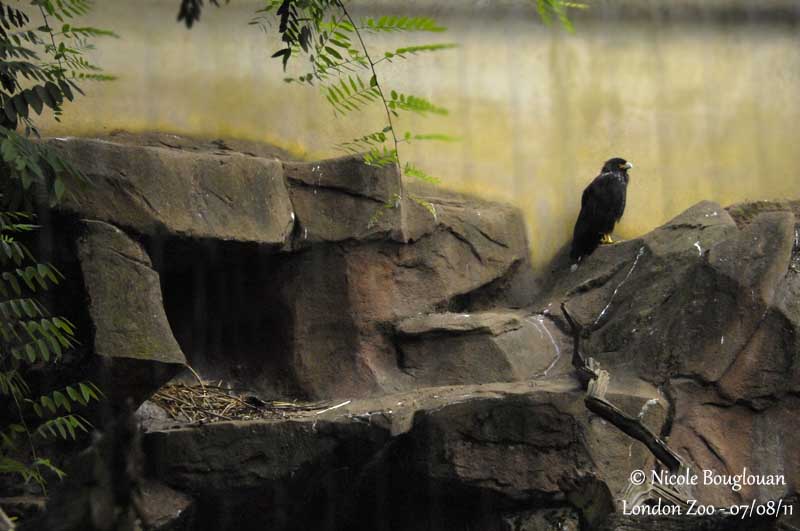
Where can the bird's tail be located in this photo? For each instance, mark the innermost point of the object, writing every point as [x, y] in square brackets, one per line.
[584, 245]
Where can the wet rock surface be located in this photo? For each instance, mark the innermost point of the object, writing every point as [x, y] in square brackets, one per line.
[453, 400]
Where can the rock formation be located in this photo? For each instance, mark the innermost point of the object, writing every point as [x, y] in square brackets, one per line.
[447, 364]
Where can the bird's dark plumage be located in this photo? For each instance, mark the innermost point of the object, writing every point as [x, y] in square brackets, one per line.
[602, 206]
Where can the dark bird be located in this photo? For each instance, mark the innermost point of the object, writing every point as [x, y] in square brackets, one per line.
[602, 206]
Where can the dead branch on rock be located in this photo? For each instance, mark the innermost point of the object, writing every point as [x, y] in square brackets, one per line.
[596, 381]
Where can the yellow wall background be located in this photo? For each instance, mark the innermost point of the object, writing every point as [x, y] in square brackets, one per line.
[704, 103]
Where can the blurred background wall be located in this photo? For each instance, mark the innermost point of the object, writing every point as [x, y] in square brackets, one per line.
[701, 95]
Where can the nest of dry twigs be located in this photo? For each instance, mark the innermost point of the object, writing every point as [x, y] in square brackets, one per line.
[208, 402]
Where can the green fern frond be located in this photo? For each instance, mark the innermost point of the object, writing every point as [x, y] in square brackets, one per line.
[13, 466]
[64, 399]
[12, 383]
[34, 278]
[65, 9]
[413, 171]
[380, 157]
[431, 136]
[16, 310]
[412, 50]
[350, 94]
[407, 102]
[29, 472]
[14, 222]
[46, 464]
[394, 23]
[365, 142]
[557, 9]
[68, 30]
[64, 426]
[40, 70]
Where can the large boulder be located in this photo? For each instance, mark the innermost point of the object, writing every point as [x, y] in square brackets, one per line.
[684, 299]
[707, 308]
[132, 336]
[472, 454]
[731, 438]
[344, 199]
[463, 348]
[293, 474]
[195, 194]
[344, 299]
[165, 509]
[532, 440]
[332, 306]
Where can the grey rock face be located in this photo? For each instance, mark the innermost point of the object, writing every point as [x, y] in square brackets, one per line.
[131, 331]
[345, 267]
[194, 194]
[451, 349]
[706, 308]
[508, 444]
[291, 279]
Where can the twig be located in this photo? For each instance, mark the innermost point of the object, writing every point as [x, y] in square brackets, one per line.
[196, 407]
[333, 407]
[596, 381]
[199, 380]
[52, 38]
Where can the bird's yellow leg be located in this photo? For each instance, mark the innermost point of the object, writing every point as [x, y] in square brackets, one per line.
[606, 240]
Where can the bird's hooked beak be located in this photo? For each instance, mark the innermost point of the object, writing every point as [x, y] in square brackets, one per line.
[628, 166]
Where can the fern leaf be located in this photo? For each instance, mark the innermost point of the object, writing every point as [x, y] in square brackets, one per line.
[550, 9]
[411, 50]
[416, 104]
[427, 205]
[394, 23]
[365, 142]
[350, 94]
[413, 171]
[431, 136]
[45, 463]
[64, 427]
[380, 157]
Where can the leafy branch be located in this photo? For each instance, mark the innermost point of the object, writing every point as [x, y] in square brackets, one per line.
[189, 11]
[374, 83]
[394, 23]
[29, 337]
[40, 69]
[340, 63]
[558, 9]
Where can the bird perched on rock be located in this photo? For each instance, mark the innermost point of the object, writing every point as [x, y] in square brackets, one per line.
[602, 206]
